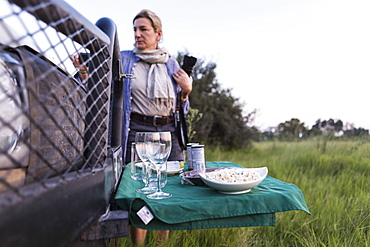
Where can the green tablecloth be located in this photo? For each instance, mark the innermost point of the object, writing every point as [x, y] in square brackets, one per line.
[197, 207]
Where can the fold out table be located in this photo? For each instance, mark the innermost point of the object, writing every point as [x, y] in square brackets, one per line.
[198, 207]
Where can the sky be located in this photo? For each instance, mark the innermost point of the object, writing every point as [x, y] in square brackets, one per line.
[305, 59]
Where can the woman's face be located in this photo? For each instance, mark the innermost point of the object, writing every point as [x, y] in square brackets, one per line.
[145, 36]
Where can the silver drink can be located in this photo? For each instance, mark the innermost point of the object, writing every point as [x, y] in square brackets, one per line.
[198, 157]
[188, 152]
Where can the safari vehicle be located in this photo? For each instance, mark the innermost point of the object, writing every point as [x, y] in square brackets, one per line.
[60, 136]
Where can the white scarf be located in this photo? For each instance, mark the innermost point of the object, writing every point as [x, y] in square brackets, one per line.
[159, 84]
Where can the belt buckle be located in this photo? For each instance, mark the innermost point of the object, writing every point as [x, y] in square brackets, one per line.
[155, 122]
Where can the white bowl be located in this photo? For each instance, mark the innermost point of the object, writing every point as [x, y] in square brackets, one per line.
[236, 188]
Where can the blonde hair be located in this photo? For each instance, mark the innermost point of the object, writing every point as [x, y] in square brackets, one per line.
[154, 19]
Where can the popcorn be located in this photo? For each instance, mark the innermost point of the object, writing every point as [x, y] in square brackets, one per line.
[237, 175]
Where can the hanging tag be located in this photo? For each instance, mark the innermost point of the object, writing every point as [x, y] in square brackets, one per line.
[145, 215]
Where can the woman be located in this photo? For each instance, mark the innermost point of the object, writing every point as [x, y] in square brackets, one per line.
[150, 97]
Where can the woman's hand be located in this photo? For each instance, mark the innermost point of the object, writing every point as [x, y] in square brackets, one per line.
[185, 82]
[77, 63]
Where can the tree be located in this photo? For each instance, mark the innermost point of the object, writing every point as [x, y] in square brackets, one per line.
[356, 132]
[326, 127]
[291, 130]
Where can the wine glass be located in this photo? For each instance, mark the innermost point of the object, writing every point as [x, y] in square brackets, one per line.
[158, 148]
[153, 176]
[141, 151]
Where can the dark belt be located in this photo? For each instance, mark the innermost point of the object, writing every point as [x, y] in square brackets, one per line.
[155, 120]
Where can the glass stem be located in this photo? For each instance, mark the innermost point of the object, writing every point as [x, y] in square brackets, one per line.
[159, 190]
[147, 171]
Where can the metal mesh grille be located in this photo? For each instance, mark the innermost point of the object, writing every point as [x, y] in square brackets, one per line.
[53, 125]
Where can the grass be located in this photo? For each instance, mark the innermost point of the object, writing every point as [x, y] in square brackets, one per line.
[334, 178]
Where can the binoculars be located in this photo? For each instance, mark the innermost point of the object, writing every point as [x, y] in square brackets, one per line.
[188, 64]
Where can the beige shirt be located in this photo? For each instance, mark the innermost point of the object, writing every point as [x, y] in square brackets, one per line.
[141, 103]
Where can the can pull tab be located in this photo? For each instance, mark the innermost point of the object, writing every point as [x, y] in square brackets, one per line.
[127, 76]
